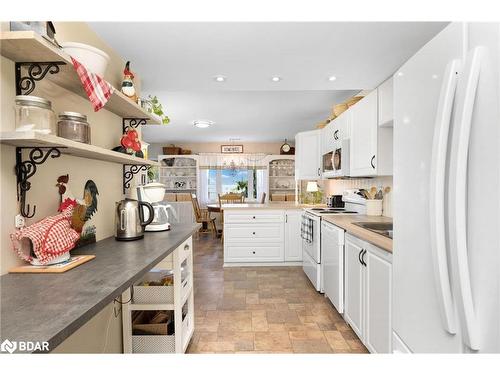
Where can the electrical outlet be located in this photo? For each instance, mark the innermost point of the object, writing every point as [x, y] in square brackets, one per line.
[19, 221]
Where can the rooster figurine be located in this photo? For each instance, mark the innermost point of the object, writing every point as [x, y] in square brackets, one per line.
[83, 209]
[128, 88]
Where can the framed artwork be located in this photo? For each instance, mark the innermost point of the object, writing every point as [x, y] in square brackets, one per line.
[231, 149]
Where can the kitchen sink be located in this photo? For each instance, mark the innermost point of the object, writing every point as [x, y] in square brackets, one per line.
[385, 229]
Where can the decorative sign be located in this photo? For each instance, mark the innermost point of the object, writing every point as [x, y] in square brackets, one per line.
[231, 149]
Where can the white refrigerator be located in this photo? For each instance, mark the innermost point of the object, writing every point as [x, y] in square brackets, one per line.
[446, 260]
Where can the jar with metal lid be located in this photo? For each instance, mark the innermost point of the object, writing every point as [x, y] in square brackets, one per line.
[73, 126]
[34, 114]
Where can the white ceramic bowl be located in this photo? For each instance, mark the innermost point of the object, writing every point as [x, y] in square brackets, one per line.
[95, 60]
[155, 191]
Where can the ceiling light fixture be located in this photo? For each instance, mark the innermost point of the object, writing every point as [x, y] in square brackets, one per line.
[202, 124]
[276, 79]
[332, 78]
[219, 78]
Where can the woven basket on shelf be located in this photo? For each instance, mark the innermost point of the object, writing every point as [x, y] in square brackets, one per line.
[338, 109]
[353, 100]
[171, 150]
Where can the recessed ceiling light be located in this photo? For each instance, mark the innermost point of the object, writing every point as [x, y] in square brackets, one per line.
[219, 78]
[202, 123]
[332, 78]
[276, 79]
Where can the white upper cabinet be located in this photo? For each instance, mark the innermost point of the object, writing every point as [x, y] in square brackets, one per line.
[364, 136]
[371, 145]
[385, 103]
[327, 137]
[308, 155]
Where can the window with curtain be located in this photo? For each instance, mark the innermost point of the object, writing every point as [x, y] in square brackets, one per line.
[241, 173]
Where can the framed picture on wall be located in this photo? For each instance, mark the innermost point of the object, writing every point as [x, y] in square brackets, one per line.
[231, 149]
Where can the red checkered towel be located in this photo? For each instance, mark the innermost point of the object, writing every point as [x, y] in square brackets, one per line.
[50, 237]
[98, 90]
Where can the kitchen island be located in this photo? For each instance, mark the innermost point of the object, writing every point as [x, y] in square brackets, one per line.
[262, 234]
[50, 307]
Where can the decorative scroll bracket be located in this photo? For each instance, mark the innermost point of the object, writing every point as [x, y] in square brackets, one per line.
[36, 72]
[132, 123]
[27, 169]
[128, 175]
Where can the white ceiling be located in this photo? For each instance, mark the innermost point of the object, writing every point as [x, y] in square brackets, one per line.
[177, 62]
[252, 116]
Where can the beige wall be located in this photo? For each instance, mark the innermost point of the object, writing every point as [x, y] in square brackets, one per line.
[106, 131]
[155, 149]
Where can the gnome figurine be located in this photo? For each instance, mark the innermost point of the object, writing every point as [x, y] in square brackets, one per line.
[128, 88]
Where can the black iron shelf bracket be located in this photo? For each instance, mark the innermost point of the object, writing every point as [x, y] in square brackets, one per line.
[36, 71]
[132, 123]
[128, 175]
[27, 169]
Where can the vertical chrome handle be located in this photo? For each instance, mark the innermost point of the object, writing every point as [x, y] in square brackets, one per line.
[437, 194]
[123, 219]
[466, 97]
[371, 161]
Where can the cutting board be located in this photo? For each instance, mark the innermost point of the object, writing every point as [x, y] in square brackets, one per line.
[72, 262]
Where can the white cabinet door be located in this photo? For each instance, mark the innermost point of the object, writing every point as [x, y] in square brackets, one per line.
[293, 241]
[378, 303]
[328, 135]
[364, 125]
[385, 103]
[332, 245]
[307, 155]
[353, 288]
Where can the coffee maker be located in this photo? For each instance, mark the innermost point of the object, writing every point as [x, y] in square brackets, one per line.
[153, 193]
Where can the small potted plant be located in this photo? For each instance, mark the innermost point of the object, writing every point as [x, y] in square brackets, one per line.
[153, 105]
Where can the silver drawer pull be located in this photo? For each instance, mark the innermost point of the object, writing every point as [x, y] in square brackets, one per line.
[253, 252]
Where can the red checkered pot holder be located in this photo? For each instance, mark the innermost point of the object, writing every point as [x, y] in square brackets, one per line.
[51, 237]
[98, 90]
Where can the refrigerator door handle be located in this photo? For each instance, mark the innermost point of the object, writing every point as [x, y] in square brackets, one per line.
[459, 221]
[437, 194]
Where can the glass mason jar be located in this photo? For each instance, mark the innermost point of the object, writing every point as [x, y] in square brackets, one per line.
[73, 126]
[34, 114]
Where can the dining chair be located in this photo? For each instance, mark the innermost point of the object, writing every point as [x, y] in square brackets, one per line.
[202, 215]
[228, 198]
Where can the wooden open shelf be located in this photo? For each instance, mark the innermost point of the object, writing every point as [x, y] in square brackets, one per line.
[68, 147]
[28, 46]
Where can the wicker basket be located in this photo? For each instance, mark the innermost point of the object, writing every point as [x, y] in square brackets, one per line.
[172, 150]
[153, 344]
[353, 100]
[338, 109]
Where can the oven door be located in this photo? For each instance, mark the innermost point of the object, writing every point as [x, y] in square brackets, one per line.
[312, 270]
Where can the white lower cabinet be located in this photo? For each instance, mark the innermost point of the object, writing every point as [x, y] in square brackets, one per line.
[293, 241]
[368, 275]
[262, 236]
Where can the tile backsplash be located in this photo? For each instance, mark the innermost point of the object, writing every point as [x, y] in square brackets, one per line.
[338, 186]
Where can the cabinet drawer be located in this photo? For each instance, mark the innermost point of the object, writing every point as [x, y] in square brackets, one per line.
[245, 253]
[253, 232]
[253, 217]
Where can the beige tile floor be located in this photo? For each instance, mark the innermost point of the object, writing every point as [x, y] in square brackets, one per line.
[261, 309]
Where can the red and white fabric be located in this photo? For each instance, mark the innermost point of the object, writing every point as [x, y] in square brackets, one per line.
[50, 237]
[98, 90]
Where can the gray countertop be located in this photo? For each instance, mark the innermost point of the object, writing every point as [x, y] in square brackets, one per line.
[50, 307]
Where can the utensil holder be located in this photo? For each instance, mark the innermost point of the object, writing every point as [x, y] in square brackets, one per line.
[374, 207]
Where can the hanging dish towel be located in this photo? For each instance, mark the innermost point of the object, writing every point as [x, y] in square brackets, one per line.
[306, 229]
[98, 90]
